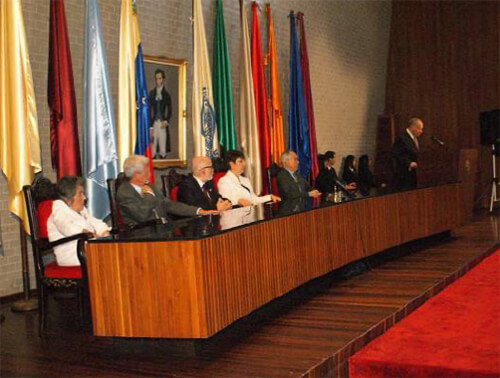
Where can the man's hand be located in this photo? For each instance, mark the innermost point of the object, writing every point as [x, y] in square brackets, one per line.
[207, 212]
[244, 202]
[351, 186]
[223, 205]
[147, 189]
[413, 165]
[314, 193]
[275, 198]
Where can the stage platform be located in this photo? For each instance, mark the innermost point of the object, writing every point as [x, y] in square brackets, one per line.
[311, 331]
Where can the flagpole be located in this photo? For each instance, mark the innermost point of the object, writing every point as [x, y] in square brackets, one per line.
[26, 304]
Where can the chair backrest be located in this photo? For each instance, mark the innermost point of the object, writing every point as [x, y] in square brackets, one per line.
[31, 209]
[44, 209]
[173, 193]
[217, 177]
[272, 183]
[113, 185]
[165, 185]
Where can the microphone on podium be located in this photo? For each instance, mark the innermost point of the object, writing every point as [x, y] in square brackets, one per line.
[437, 140]
[343, 188]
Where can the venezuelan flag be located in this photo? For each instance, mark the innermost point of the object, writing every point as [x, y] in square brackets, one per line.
[133, 103]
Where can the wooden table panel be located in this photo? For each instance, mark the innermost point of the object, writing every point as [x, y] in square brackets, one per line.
[195, 288]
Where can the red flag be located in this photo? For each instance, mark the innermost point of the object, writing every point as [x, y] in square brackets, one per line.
[306, 82]
[64, 143]
[259, 84]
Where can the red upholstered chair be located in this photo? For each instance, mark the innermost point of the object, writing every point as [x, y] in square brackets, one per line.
[217, 177]
[173, 193]
[52, 275]
[113, 185]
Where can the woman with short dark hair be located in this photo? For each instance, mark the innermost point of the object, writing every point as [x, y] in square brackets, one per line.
[237, 188]
[70, 217]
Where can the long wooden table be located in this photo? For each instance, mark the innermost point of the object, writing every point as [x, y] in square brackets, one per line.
[195, 288]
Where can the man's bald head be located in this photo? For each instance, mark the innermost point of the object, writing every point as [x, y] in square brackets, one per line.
[202, 168]
[416, 126]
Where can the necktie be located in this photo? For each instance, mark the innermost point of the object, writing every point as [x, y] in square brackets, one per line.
[416, 142]
[296, 178]
[206, 192]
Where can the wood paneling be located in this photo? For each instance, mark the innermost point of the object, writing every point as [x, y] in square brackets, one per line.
[444, 67]
[193, 289]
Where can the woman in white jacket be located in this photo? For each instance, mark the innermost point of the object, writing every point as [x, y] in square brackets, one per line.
[70, 217]
[237, 188]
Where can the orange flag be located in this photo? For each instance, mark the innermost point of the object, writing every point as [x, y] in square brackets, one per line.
[274, 100]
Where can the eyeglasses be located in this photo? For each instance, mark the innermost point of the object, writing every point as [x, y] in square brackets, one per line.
[208, 167]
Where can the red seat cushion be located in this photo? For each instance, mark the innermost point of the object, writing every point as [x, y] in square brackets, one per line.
[43, 213]
[216, 179]
[52, 270]
[173, 193]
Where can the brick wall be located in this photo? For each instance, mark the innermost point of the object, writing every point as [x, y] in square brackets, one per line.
[347, 41]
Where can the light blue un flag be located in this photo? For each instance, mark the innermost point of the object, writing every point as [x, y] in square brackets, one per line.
[100, 158]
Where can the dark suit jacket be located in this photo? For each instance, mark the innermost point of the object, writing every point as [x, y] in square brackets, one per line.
[135, 208]
[349, 176]
[404, 151]
[191, 193]
[326, 180]
[289, 188]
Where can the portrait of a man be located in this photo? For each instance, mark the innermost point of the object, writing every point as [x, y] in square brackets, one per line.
[160, 105]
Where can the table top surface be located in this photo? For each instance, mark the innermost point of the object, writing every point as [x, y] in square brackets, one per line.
[201, 227]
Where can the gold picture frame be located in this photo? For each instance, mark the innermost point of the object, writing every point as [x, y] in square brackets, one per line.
[168, 136]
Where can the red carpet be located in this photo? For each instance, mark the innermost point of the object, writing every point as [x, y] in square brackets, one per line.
[454, 334]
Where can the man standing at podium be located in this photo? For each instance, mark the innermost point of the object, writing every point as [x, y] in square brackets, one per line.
[405, 155]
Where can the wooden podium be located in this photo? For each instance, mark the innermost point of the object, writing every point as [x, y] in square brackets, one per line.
[195, 288]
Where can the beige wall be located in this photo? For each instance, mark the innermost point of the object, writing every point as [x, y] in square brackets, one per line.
[347, 41]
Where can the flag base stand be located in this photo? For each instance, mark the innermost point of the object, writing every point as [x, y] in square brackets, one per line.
[25, 305]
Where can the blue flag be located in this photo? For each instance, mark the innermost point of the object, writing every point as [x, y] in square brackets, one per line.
[298, 130]
[100, 158]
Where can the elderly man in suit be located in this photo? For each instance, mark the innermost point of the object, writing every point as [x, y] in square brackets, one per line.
[292, 185]
[140, 202]
[198, 189]
[405, 155]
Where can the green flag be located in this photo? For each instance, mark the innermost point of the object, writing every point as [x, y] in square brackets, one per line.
[221, 82]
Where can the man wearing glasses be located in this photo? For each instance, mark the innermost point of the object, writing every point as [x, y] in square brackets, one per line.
[198, 189]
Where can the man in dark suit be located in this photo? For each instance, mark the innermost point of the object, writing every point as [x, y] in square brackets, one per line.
[405, 155]
[290, 184]
[140, 202]
[327, 179]
[198, 189]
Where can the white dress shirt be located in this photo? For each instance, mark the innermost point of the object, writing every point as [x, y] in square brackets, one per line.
[233, 188]
[64, 222]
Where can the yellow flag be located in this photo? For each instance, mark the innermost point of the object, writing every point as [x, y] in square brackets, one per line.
[275, 108]
[127, 107]
[19, 140]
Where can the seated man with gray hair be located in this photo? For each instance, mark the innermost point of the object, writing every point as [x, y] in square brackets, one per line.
[140, 202]
[292, 185]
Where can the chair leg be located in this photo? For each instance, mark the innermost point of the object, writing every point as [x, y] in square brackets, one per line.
[42, 308]
[80, 292]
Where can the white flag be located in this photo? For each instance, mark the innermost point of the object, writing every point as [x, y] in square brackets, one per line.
[202, 110]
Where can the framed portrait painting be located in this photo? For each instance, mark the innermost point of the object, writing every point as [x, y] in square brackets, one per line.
[166, 82]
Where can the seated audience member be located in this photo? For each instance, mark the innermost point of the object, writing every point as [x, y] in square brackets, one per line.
[366, 179]
[198, 189]
[139, 202]
[292, 185]
[327, 178]
[70, 217]
[350, 174]
[237, 188]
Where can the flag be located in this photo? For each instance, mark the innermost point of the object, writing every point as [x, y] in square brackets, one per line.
[259, 85]
[132, 92]
[304, 59]
[298, 133]
[64, 143]
[221, 80]
[19, 140]
[248, 119]
[204, 120]
[100, 158]
[274, 102]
